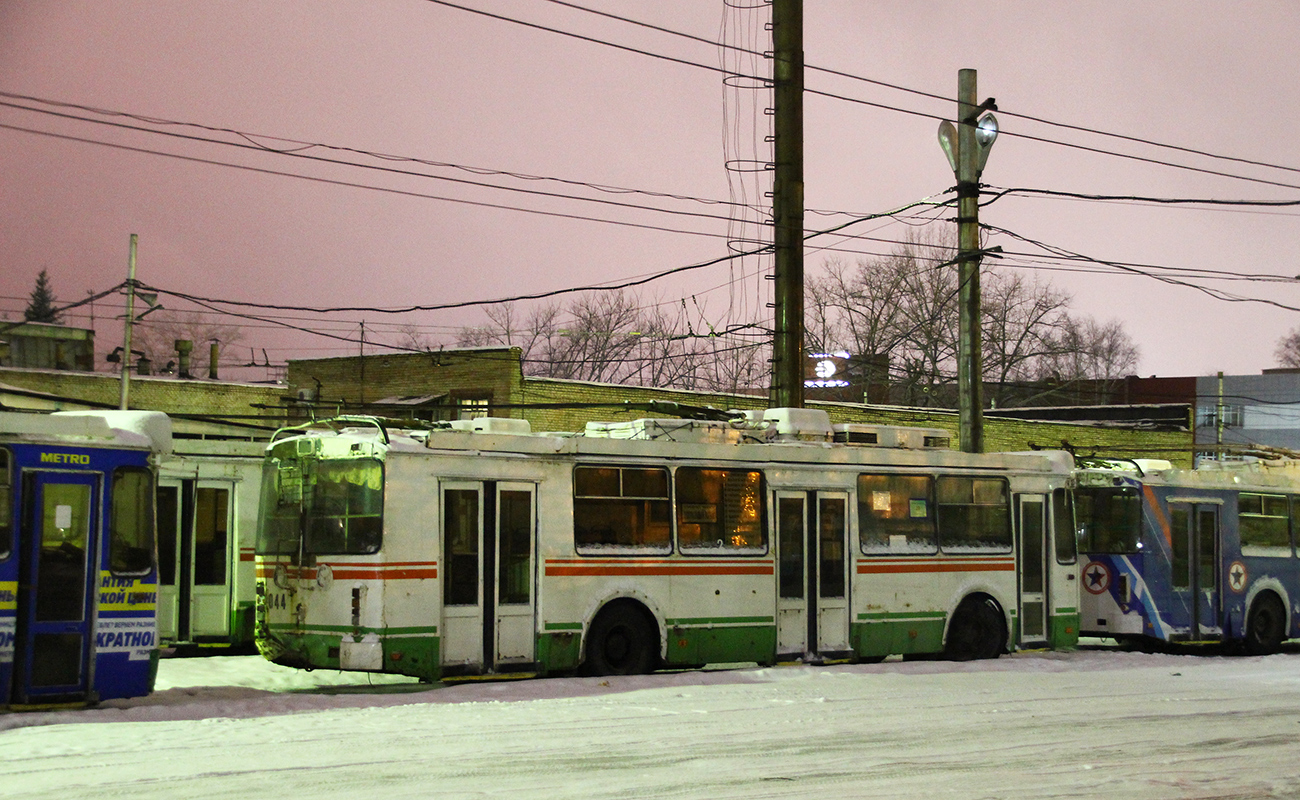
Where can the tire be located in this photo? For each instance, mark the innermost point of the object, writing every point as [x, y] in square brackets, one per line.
[622, 641]
[1266, 626]
[976, 631]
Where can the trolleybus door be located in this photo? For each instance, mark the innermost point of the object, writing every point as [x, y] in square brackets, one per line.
[487, 573]
[812, 574]
[1031, 514]
[1194, 575]
[56, 587]
[194, 524]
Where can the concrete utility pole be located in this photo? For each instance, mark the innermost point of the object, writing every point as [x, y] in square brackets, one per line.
[787, 203]
[125, 392]
[967, 145]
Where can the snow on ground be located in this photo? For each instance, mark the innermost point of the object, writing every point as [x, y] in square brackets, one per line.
[1092, 723]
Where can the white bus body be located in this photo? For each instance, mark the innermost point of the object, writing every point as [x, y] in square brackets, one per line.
[654, 543]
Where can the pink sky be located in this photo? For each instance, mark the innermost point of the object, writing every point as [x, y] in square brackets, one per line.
[419, 79]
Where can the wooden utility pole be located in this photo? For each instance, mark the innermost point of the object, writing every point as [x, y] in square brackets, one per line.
[787, 203]
[125, 392]
[970, 362]
[967, 146]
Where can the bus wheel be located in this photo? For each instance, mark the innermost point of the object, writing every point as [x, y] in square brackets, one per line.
[976, 630]
[1266, 626]
[622, 641]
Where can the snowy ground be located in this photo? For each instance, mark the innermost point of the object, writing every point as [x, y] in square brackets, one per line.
[1035, 725]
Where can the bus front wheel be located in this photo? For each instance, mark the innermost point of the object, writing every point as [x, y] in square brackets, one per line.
[1266, 626]
[977, 630]
[621, 641]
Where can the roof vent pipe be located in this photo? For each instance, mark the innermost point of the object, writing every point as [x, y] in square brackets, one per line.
[214, 351]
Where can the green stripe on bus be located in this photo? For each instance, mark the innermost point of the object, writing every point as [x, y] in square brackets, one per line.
[684, 621]
[343, 629]
[562, 626]
[898, 616]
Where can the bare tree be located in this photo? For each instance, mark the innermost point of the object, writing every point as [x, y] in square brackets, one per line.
[156, 337]
[612, 337]
[901, 311]
[1288, 350]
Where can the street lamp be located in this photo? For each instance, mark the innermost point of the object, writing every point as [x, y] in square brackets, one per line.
[967, 146]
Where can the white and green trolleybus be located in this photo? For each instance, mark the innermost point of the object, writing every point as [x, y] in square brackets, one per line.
[482, 547]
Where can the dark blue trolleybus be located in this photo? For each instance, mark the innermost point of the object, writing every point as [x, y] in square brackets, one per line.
[1179, 555]
[78, 581]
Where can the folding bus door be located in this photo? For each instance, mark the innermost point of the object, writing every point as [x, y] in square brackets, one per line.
[1194, 573]
[487, 574]
[195, 520]
[812, 574]
[60, 546]
[1031, 516]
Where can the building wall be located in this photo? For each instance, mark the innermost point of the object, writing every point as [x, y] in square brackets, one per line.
[1258, 410]
[356, 382]
[242, 404]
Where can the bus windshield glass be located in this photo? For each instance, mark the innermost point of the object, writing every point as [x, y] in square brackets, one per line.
[329, 507]
[1110, 519]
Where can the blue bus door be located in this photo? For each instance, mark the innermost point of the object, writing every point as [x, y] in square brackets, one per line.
[1194, 579]
[59, 547]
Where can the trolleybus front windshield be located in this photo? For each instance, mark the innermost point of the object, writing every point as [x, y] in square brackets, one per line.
[1110, 519]
[333, 506]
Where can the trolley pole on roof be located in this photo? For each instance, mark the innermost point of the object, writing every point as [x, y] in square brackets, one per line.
[967, 146]
[787, 203]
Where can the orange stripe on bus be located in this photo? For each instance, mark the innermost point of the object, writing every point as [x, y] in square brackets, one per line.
[609, 570]
[937, 566]
[383, 575]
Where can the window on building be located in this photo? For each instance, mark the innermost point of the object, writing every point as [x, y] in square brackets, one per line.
[621, 508]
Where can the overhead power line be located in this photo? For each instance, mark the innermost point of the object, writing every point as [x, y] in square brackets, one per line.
[1217, 294]
[932, 95]
[898, 109]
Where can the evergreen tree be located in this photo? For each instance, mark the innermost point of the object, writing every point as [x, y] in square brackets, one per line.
[40, 305]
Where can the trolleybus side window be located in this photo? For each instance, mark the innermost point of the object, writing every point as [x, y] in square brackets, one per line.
[618, 508]
[131, 528]
[1265, 524]
[345, 512]
[6, 506]
[896, 514]
[1067, 543]
[973, 514]
[1110, 519]
[721, 510]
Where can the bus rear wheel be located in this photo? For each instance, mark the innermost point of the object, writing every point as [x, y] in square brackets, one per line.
[976, 631]
[621, 641]
[1266, 626]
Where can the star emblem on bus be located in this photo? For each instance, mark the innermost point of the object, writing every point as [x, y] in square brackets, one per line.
[1096, 577]
[1237, 577]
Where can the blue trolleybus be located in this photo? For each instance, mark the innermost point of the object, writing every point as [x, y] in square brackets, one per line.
[1179, 555]
[78, 581]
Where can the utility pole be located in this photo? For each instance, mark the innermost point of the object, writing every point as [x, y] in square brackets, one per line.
[967, 145]
[787, 203]
[130, 320]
